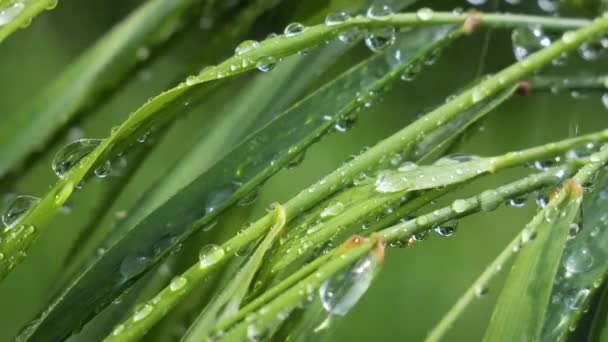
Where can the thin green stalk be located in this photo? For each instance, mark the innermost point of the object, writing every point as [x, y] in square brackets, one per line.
[569, 82]
[326, 230]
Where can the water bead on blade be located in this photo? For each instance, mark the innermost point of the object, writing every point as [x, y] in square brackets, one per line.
[246, 46]
[380, 39]
[446, 229]
[10, 12]
[379, 12]
[342, 291]
[293, 29]
[17, 209]
[210, 255]
[425, 14]
[71, 154]
[336, 18]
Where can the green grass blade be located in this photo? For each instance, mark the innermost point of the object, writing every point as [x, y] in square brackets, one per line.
[521, 308]
[95, 71]
[236, 175]
[18, 14]
[227, 303]
[583, 268]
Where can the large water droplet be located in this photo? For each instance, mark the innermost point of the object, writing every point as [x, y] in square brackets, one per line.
[576, 299]
[446, 229]
[178, 283]
[579, 261]
[210, 254]
[17, 209]
[379, 12]
[9, 13]
[342, 291]
[293, 29]
[425, 14]
[336, 18]
[266, 63]
[71, 154]
[381, 38]
[527, 40]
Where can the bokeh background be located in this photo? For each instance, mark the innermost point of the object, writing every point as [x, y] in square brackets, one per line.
[418, 284]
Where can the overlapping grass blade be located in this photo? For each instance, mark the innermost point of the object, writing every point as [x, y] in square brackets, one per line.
[96, 70]
[240, 172]
[227, 303]
[583, 267]
[521, 308]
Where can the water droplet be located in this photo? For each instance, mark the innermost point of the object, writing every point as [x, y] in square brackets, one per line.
[177, 283]
[446, 229]
[210, 255]
[118, 330]
[9, 13]
[489, 200]
[481, 290]
[293, 29]
[460, 206]
[528, 235]
[575, 228]
[456, 159]
[71, 154]
[333, 209]
[550, 6]
[266, 63]
[421, 236]
[342, 291]
[579, 261]
[568, 37]
[605, 100]
[246, 46]
[133, 265]
[379, 12]
[476, 2]
[527, 40]
[576, 299]
[103, 170]
[425, 14]
[517, 202]
[388, 181]
[17, 209]
[381, 38]
[336, 18]
[143, 312]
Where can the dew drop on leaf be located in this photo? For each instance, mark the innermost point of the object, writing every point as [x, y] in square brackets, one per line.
[9, 13]
[266, 63]
[177, 283]
[143, 312]
[133, 265]
[336, 18]
[17, 209]
[379, 12]
[342, 291]
[293, 29]
[210, 254]
[71, 154]
[380, 39]
[446, 229]
[425, 14]
[579, 261]
[246, 46]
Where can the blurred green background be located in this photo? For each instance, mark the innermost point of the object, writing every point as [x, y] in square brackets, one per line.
[418, 284]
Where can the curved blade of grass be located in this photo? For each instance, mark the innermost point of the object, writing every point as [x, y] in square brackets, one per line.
[17, 14]
[95, 71]
[281, 46]
[527, 291]
[252, 162]
[583, 267]
[227, 303]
